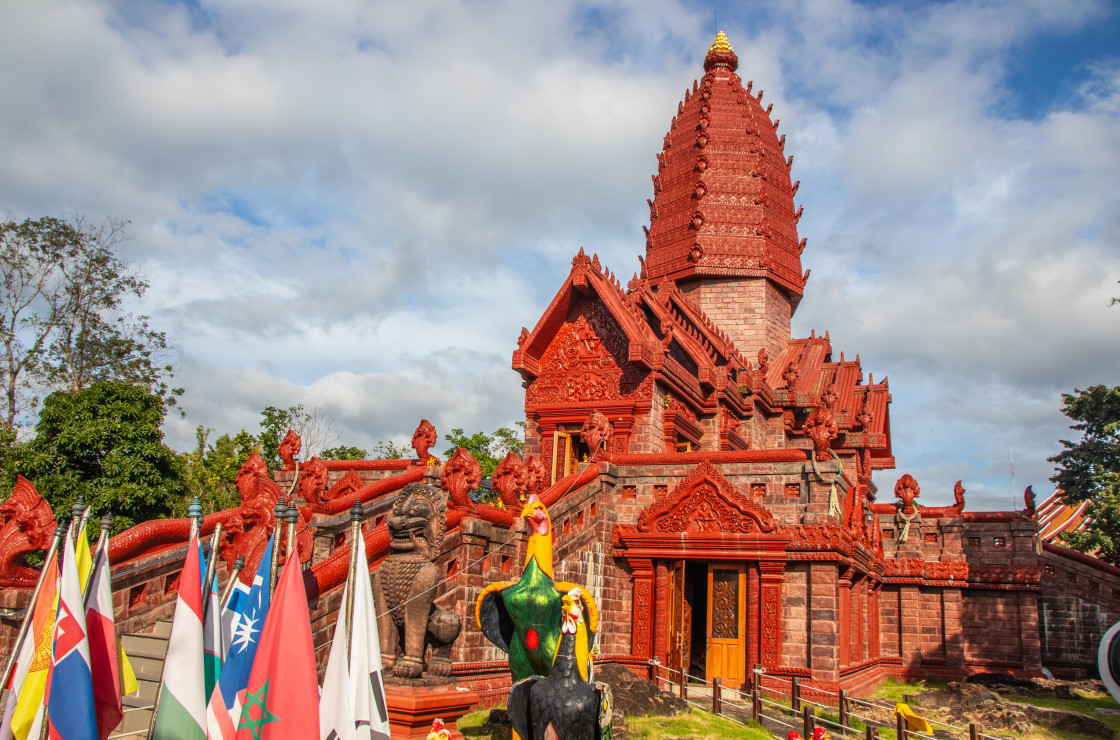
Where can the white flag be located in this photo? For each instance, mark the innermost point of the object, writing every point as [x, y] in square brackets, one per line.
[367, 687]
[336, 716]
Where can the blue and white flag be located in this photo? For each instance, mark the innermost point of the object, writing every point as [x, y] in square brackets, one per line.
[245, 622]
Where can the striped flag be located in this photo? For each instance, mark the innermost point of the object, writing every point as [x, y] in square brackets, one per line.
[103, 652]
[181, 714]
[224, 709]
[30, 680]
[282, 696]
[213, 649]
[70, 705]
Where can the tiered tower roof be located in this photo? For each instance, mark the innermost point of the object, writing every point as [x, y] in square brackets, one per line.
[723, 199]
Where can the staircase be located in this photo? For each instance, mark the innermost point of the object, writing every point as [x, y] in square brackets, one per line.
[146, 651]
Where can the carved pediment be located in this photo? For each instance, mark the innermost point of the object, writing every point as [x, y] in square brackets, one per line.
[705, 502]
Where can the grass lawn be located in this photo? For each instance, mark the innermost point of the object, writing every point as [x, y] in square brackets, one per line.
[706, 726]
[694, 724]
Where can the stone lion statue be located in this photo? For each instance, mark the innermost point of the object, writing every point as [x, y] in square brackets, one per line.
[404, 588]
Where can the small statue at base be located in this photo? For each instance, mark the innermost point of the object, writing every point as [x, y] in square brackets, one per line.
[404, 588]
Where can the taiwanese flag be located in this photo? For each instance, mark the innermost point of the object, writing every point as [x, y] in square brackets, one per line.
[70, 704]
[282, 698]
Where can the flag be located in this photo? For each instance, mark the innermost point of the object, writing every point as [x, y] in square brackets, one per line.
[104, 660]
[213, 651]
[83, 555]
[282, 697]
[367, 690]
[353, 700]
[30, 681]
[181, 713]
[70, 705]
[336, 713]
[224, 709]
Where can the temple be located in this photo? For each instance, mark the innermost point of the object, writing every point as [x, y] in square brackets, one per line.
[708, 476]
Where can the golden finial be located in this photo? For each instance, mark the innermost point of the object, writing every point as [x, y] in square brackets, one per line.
[721, 45]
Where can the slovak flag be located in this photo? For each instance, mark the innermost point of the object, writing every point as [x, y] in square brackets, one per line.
[71, 714]
[224, 709]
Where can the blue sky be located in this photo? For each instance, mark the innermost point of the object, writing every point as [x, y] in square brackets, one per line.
[357, 205]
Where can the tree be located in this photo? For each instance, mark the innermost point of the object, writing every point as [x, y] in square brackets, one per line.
[345, 452]
[211, 469]
[103, 443]
[1089, 470]
[488, 449]
[316, 429]
[60, 321]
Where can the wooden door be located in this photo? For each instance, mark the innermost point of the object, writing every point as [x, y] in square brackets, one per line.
[680, 621]
[727, 623]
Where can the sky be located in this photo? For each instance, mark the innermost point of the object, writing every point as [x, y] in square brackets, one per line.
[357, 205]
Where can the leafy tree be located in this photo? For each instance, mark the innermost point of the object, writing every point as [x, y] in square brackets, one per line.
[103, 443]
[60, 322]
[1089, 470]
[488, 449]
[316, 429]
[389, 451]
[211, 469]
[345, 452]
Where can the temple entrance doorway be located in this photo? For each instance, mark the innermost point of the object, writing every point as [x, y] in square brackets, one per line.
[707, 620]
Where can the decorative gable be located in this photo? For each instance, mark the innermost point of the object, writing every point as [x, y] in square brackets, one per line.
[705, 502]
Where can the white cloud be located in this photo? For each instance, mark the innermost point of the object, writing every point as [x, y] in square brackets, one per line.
[358, 205]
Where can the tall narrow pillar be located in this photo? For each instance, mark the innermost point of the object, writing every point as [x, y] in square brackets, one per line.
[824, 637]
[643, 624]
[771, 576]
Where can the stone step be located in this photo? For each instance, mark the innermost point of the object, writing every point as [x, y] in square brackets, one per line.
[144, 643]
[135, 723]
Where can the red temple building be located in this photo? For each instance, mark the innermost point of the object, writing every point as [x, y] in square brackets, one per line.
[708, 475]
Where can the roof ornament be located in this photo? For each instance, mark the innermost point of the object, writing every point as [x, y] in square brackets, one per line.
[721, 54]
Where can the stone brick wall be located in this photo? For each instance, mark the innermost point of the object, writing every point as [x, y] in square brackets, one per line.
[753, 311]
[1077, 603]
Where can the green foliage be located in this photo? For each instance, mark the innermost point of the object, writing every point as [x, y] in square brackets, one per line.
[103, 443]
[389, 451]
[60, 314]
[211, 469]
[488, 449]
[1089, 470]
[345, 452]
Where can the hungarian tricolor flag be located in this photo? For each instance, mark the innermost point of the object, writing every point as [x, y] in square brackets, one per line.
[181, 714]
[282, 698]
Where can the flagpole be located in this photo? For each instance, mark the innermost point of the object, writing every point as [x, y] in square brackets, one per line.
[292, 517]
[213, 560]
[59, 533]
[238, 565]
[194, 511]
[278, 513]
[103, 541]
[352, 574]
[76, 512]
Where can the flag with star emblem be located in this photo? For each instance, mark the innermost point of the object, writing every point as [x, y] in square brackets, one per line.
[282, 698]
[181, 714]
[246, 620]
[71, 714]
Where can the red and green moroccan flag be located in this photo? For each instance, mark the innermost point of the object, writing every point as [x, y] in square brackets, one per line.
[282, 699]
